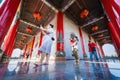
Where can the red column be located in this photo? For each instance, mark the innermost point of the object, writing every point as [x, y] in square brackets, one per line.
[116, 6]
[89, 36]
[32, 45]
[60, 35]
[25, 48]
[9, 41]
[12, 44]
[98, 50]
[114, 35]
[103, 54]
[115, 44]
[7, 13]
[82, 43]
[101, 49]
[2, 7]
[108, 8]
[41, 37]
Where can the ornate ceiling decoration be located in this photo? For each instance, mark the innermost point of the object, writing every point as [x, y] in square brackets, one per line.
[40, 12]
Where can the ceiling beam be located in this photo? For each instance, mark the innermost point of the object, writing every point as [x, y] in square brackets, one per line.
[99, 32]
[73, 17]
[28, 23]
[51, 6]
[91, 22]
[68, 5]
[106, 41]
[24, 34]
[103, 38]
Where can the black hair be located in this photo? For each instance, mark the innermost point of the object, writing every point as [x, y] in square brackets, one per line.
[89, 40]
[76, 38]
[51, 25]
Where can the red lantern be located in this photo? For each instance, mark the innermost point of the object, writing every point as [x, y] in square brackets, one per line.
[100, 35]
[95, 28]
[24, 36]
[21, 42]
[29, 29]
[84, 13]
[104, 40]
[37, 15]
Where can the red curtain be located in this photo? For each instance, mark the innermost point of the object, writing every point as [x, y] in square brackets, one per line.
[7, 13]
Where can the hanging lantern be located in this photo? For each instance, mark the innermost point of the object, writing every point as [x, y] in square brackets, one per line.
[21, 42]
[29, 30]
[37, 15]
[24, 36]
[84, 13]
[95, 28]
[104, 40]
[19, 45]
[100, 35]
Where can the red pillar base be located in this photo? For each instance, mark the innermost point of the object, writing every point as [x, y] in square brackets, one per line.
[60, 59]
[60, 54]
[85, 57]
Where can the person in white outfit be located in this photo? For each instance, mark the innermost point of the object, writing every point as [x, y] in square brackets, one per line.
[47, 41]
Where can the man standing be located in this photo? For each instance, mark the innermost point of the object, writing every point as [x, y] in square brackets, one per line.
[92, 50]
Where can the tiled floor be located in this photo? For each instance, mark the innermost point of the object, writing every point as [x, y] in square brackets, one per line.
[85, 70]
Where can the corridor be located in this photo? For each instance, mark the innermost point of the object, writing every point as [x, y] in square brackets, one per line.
[61, 31]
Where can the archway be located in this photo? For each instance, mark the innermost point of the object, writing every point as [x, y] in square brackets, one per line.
[16, 53]
[109, 51]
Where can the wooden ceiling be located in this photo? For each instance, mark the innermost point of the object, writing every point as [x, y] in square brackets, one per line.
[71, 9]
[27, 20]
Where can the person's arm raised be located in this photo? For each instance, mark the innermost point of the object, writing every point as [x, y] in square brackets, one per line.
[44, 30]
